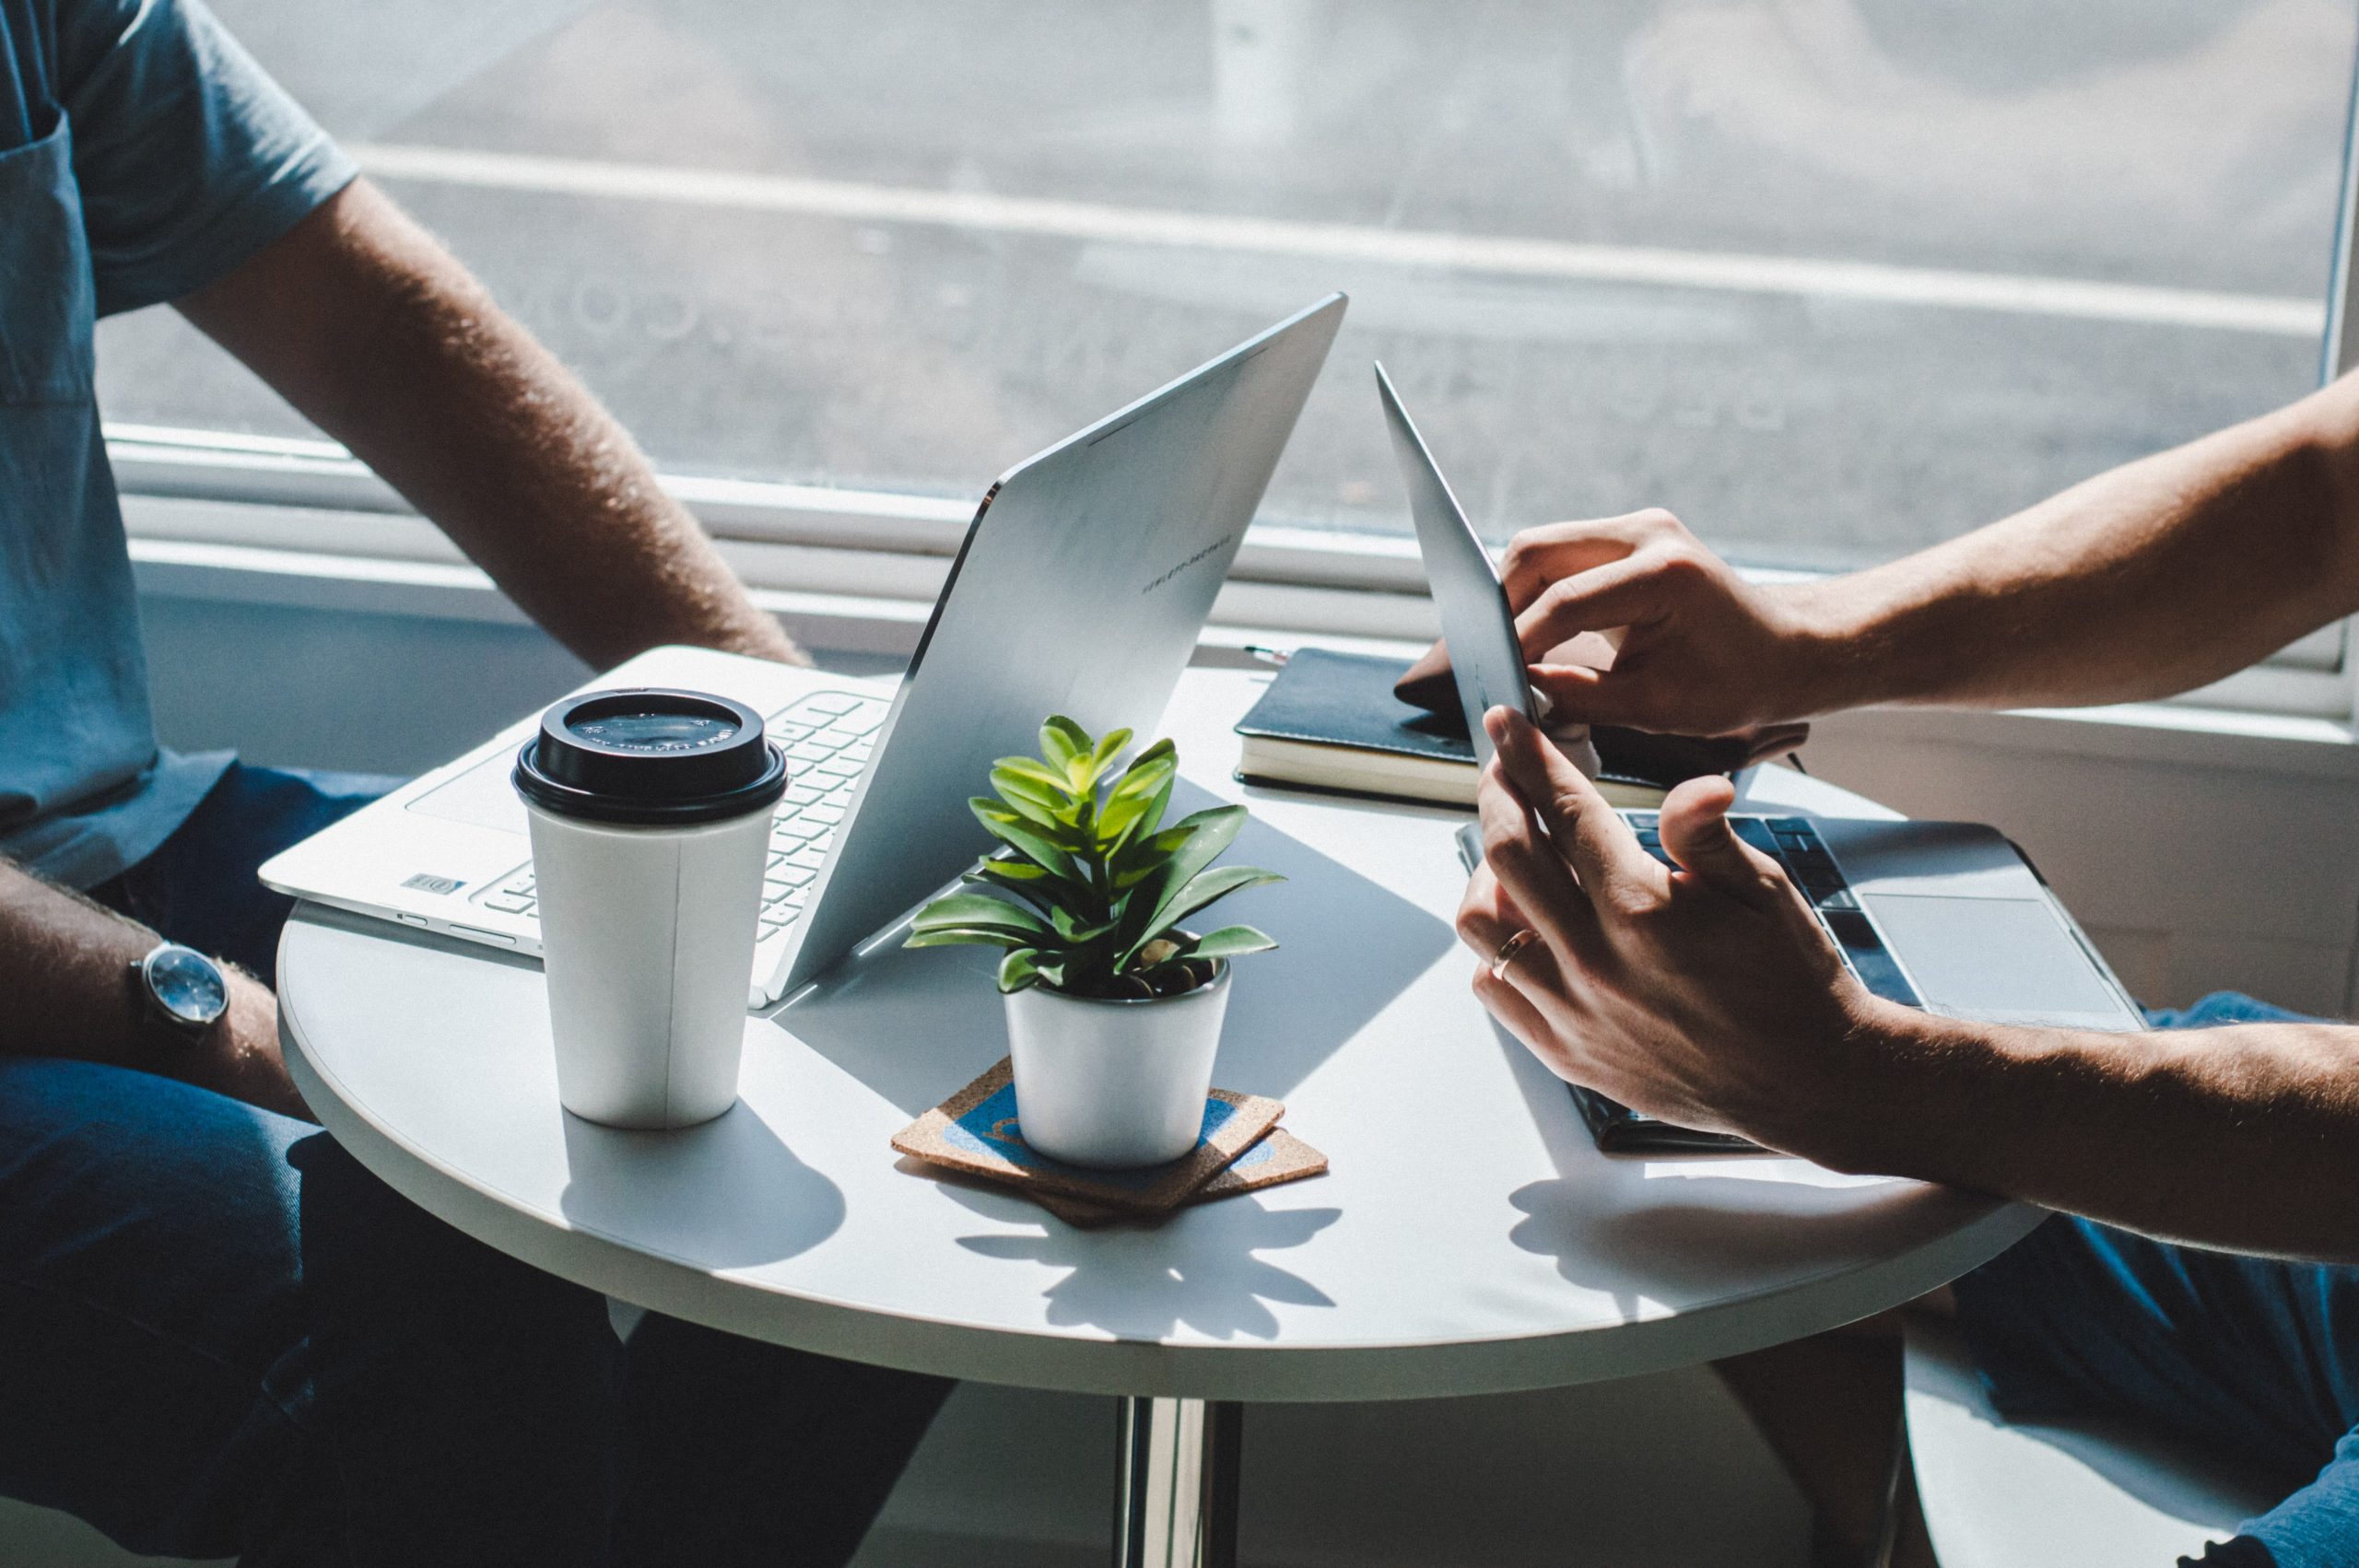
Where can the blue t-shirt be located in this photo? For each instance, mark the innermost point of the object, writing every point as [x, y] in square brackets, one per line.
[143, 155]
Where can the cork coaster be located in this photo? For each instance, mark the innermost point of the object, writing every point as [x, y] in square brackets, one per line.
[1278, 1158]
[975, 1131]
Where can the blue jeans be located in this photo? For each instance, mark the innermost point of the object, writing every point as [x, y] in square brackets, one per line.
[2253, 1359]
[221, 1335]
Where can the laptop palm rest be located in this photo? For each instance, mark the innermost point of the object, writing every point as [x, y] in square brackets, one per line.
[481, 797]
[1970, 921]
[2002, 960]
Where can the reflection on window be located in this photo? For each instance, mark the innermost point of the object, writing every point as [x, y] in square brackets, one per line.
[1832, 278]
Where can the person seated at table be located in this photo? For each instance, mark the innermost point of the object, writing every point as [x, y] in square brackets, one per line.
[217, 1334]
[2199, 1275]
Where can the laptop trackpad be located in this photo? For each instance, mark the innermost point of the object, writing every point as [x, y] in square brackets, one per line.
[482, 796]
[2001, 959]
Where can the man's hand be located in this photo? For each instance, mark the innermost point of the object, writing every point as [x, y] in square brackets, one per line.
[240, 1056]
[65, 990]
[1709, 997]
[1701, 651]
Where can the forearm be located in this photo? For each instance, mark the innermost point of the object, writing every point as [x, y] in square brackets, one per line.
[2241, 1137]
[2152, 579]
[376, 333]
[66, 991]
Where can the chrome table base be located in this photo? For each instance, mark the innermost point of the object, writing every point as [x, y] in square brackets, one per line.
[1176, 1484]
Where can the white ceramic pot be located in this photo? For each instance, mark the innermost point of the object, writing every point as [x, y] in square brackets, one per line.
[1114, 1085]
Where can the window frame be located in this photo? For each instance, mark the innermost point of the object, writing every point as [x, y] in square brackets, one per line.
[313, 498]
[892, 548]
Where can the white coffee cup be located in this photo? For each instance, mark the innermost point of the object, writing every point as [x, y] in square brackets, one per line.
[649, 813]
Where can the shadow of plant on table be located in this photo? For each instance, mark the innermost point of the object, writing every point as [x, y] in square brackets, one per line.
[1201, 1270]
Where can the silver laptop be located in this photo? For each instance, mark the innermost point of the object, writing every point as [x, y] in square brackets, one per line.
[1080, 589]
[1945, 916]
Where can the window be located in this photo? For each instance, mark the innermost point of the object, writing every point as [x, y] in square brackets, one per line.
[1831, 278]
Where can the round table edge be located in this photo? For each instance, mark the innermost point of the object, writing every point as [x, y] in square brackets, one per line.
[1075, 1364]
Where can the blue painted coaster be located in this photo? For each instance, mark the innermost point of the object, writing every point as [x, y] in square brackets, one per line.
[977, 1131]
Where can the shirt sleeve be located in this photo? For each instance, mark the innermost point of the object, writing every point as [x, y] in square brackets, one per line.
[190, 158]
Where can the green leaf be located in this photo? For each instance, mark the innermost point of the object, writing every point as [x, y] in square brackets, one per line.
[1042, 814]
[1217, 883]
[978, 909]
[965, 936]
[1056, 822]
[1018, 969]
[1150, 817]
[1146, 770]
[1011, 871]
[1075, 929]
[1026, 838]
[1200, 836]
[1035, 883]
[1135, 806]
[1108, 750]
[1143, 857]
[1228, 943]
[1010, 781]
[1036, 771]
[1208, 832]
[1194, 894]
[1024, 968]
[1063, 742]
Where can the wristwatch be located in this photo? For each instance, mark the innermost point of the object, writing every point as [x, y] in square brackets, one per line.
[180, 987]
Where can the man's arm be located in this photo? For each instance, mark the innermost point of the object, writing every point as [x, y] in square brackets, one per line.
[2158, 577]
[2154, 579]
[374, 331]
[1709, 997]
[2239, 1138]
[65, 969]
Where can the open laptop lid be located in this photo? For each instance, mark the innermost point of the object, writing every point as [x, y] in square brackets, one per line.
[1476, 623]
[1081, 589]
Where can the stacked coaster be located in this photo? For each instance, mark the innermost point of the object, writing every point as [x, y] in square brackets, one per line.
[975, 1134]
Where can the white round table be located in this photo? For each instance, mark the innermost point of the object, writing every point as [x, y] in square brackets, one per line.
[1467, 1239]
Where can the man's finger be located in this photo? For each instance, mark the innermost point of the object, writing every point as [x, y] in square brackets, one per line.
[1486, 916]
[1598, 844]
[1577, 694]
[1621, 593]
[1536, 558]
[1695, 833]
[1530, 872]
[1514, 1011]
[1539, 557]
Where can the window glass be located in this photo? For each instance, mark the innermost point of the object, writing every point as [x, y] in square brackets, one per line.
[1831, 278]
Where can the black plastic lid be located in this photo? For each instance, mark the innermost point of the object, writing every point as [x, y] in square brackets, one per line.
[648, 756]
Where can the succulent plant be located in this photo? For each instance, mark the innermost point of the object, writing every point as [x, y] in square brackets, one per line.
[1088, 891]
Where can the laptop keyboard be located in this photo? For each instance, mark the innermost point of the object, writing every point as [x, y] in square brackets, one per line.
[1794, 843]
[828, 737]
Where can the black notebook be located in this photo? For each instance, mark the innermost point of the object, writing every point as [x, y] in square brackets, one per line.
[1329, 722]
[1617, 1129]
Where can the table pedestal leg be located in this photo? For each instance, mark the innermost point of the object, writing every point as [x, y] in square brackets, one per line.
[1175, 1481]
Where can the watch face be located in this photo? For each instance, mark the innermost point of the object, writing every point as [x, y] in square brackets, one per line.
[187, 985]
